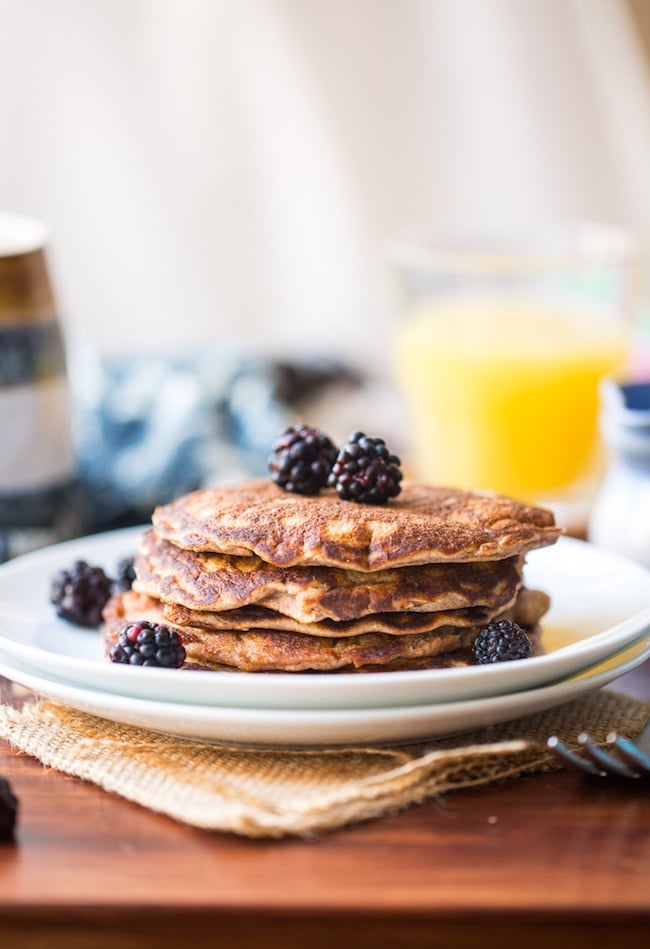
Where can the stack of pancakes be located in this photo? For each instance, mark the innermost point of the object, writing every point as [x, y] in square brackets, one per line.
[256, 579]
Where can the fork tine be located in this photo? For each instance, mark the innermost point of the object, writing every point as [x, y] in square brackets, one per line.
[632, 755]
[563, 752]
[606, 762]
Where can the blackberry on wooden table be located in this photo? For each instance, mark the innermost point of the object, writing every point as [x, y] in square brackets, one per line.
[8, 810]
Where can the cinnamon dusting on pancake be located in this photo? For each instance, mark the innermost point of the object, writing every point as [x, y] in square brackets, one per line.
[423, 525]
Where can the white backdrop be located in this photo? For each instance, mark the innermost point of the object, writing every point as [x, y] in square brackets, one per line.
[228, 172]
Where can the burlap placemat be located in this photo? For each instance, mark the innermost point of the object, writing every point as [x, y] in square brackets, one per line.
[273, 793]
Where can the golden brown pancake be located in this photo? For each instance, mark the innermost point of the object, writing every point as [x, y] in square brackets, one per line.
[266, 650]
[259, 617]
[216, 582]
[422, 525]
[529, 606]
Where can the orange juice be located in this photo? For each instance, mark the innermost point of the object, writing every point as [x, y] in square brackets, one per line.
[502, 394]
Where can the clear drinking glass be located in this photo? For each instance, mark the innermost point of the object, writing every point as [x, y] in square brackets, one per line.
[499, 349]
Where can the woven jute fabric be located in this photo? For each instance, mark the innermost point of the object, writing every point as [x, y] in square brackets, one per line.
[273, 792]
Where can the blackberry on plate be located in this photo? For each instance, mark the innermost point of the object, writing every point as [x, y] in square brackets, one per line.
[366, 471]
[125, 574]
[301, 459]
[148, 644]
[501, 641]
[80, 593]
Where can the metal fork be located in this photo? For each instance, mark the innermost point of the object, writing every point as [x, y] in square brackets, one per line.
[628, 760]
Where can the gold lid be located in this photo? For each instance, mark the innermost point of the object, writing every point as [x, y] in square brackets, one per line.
[25, 290]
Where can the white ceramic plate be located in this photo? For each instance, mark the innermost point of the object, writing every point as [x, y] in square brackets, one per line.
[600, 603]
[309, 727]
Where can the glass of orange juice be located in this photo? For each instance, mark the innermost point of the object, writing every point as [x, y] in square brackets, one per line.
[498, 352]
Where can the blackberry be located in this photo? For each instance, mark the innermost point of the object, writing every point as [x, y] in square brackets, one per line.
[302, 459]
[80, 594]
[148, 644]
[8, 810]
[501, 641]
[125, 574]
[366, 471]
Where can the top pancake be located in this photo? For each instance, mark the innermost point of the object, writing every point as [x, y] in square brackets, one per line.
[424, 524]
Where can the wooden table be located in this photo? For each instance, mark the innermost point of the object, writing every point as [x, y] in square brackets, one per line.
[548, 859]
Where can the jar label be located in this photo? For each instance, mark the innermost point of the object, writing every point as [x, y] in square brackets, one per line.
[37, 448]
[31, 352]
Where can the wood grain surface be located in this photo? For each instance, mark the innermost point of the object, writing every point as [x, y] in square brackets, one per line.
[552, 859]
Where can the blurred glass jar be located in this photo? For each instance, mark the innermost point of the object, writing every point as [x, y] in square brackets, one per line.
[36, 460]
[499, 350]
[620, 518]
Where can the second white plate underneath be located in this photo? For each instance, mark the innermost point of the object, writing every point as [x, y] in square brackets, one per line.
[309, 727]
